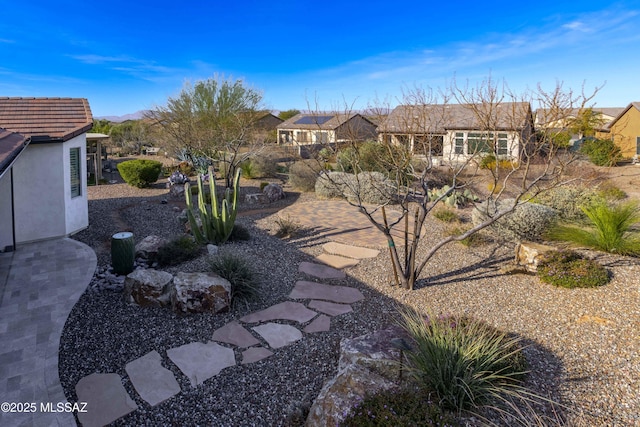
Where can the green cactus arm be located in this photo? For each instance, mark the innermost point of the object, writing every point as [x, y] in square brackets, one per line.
[212, 189]
[192, 220]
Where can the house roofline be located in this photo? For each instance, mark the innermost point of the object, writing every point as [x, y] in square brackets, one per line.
[46, 139]
[7, 163]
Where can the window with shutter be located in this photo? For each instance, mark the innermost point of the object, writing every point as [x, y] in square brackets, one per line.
[76, 181]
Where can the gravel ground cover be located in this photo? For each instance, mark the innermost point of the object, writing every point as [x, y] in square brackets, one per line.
[583, 344]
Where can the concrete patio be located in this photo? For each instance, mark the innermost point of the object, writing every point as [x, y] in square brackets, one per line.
[39, 285]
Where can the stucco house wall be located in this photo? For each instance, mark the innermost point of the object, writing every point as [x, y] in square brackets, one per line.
[625, 131]
[6, 220]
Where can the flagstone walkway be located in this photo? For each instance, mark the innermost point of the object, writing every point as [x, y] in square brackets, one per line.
[310, 307]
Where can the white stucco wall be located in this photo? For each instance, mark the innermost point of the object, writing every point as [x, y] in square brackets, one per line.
[77, 210]
[6, 225]
[43, 205]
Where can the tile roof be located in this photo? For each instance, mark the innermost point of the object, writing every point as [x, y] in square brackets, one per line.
[46, 119]
[438, 118]
[11, 144]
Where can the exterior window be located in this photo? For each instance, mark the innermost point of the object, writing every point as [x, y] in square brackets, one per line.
[502, 148]
[322, 137]
[303, 136]
[638, 145]
[479, 143]
[459, 143]
[76, 181]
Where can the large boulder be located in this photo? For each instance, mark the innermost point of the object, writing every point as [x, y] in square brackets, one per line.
[147, 287]
[529, 254]
[200, 292]
[368, 364]
[273, 192]
[148, 247]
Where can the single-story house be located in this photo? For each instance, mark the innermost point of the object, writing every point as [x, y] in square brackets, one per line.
[265, 120]
[624, 130]
[456, 132]
[307, 131]
[43, 186]
[560, 120]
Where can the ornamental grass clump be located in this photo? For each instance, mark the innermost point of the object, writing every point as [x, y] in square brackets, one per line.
[245, 287]
[610, 228]
[568, 269]
[465, 362]
[178, 250]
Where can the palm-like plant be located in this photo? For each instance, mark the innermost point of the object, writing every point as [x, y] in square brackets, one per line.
[610, 228]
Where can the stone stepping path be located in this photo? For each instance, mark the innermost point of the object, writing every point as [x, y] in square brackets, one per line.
[153, 382]
[108, 400]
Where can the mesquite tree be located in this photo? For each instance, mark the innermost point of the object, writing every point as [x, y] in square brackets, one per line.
[451, 134]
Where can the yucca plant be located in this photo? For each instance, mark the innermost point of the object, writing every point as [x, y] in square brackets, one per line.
[218, 218]
[465, 362]
[609, 229]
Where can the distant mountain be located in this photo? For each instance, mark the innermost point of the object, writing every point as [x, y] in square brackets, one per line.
[118, 119]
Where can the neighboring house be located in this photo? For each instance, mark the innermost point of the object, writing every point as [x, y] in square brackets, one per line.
[45, 187]
[455, 132]
[561, 119]
[624, 130]
[267, 121]
[309, 131]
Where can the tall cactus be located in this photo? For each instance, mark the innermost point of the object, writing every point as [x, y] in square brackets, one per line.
[217, 219]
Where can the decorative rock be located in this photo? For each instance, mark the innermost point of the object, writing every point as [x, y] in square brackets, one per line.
[321, 271]
[106, 399]
[212, 249]
[147, 287]
[350, 251]
[287, 310]
[330, 308]
[200, 292]
[336, 261]
[234, 333]
[255, 354]
[313, 290]
[368, 364]
[153, 382]
[273, 192]
[277, 335]
[529, 254]
[255, 198]
[200, 361]
[176, 191]
[320, 324]
[148, 247]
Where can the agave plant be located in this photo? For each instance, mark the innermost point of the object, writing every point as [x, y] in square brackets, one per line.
[216, 219]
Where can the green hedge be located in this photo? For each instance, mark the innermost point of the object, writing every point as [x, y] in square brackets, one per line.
[140, 173]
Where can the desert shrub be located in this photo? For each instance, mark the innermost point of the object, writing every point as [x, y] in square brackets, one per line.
[398, 408]
[529, 221]
[465, 362]
[245, 287]
[178, 250]
[601, 152]
[247, 169]
[264, 166]
[287, 227]
[239, 233]
[609, 191]
[476, 239]
[491, 163]
[567, 200]
[262, 185]
[303, 174]
[393, 161]
[445, 214]
[610, 228]
[140, 173]
[365, 187]
[569, 269]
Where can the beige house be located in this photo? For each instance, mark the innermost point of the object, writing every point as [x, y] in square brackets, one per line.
[455, 132]
[624, 130]
[307, 132]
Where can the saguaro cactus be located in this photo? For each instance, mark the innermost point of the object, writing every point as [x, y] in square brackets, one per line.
[218, 218]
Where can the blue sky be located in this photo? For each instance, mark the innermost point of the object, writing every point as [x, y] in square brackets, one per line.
[129, 56]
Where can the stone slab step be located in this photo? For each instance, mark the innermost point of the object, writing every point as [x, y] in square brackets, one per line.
[278, 335]
[234, 333]
[199, 361]
[321, 271]
[337, 261]
[321, 291]
[255, 354]
[106, 398]
[153, 382]
[287, 310]
[349, 251]
[330, 308]
[321, 323]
